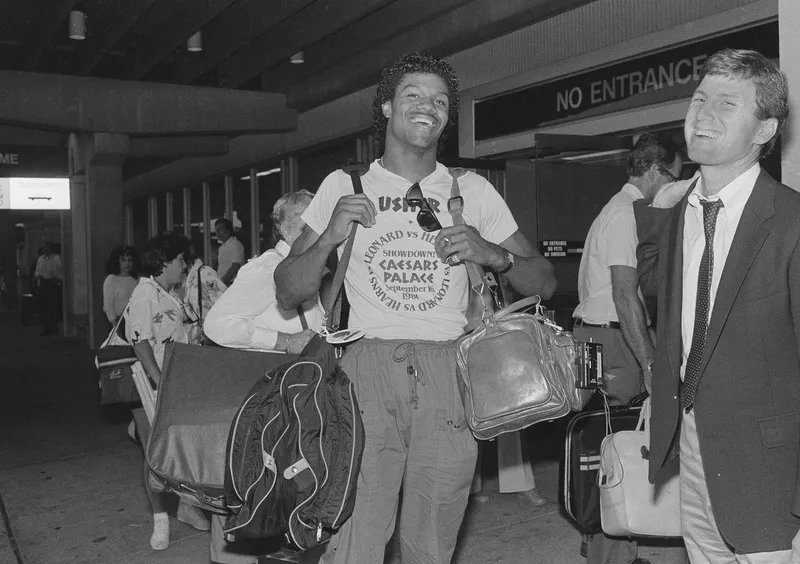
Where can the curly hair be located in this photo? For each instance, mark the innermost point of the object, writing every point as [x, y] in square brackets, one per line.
[112, 264]
[162, 249]
[392, 76]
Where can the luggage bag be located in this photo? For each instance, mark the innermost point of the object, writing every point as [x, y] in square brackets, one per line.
[200, 391]
[584, 436]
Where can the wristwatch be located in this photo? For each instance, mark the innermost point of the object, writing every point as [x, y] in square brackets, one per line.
[510, 265]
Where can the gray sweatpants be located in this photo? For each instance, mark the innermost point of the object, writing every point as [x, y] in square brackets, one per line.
[417, 440]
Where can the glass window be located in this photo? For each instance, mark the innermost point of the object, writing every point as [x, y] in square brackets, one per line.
[196, 218]
[177, 211]
[216, 190]
[312, 168]
[161, 213]
[242, 220]
[139, 213]
[269, 190]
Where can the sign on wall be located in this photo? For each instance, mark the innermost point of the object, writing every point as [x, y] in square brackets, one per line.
[34, 193]
[662, 76]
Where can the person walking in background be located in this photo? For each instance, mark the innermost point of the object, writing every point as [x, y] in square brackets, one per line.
[611, 310]
[404, 370]
[230, 256]
[49, 275]
[123, 268]
[154, 317]
[723, 260]
[247, 316]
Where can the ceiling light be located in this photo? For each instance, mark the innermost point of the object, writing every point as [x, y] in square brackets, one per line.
[297, 58]
[263, 173]
[77, 25]
[195, 42]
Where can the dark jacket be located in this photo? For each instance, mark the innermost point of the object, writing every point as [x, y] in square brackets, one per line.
[747, 404]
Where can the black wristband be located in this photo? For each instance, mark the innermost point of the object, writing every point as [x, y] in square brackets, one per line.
[510, 264]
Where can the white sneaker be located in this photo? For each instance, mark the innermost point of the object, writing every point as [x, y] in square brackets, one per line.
[159, 540]
[132, 430]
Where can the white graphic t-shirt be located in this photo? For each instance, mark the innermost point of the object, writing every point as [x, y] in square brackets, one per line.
[396, 284]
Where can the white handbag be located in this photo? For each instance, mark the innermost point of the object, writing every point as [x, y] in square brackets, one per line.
[629, 504]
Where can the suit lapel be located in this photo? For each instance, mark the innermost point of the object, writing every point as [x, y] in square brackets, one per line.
[675, 285]
[748, 240]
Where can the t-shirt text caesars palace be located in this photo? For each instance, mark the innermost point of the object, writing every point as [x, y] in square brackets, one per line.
[396, 284]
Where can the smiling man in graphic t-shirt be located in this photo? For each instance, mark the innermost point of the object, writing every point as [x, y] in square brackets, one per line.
[407, 288]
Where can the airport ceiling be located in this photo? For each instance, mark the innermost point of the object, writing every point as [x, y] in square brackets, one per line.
[247, 44]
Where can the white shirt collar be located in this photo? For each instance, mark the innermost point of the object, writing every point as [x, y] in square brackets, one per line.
[632, 191]
[283, 248]
[735, 195]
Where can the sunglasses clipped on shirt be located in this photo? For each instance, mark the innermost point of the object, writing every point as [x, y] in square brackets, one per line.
[426, 219]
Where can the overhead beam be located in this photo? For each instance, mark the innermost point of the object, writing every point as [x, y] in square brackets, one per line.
[177, 21]
[11, 135]
[304, 28]
[179, 146]
[40, 31]
[470, 25]
[233, 29]
[119, 17]
[366, 33]
[82, 104]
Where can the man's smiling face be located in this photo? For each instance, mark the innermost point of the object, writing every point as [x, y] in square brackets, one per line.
[721, 126]
[418, 112]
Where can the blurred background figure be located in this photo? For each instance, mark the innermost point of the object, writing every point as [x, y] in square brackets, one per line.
[49, 275]
[200, 291]
[230, 257]
[123, 268]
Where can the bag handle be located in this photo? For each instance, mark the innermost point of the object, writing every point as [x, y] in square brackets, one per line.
[333, 308]
[516, 306]
[302, 315]
[113, 331]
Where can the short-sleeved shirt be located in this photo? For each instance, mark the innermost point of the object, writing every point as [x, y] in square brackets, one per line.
[611, 241]
[117, 291]
[230, 251]
[155, 315]
[396, 284]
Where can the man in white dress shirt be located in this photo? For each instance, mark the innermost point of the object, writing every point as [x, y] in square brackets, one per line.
[230, 256]
[247, 316]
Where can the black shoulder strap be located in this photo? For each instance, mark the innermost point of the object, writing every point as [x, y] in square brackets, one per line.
[334, 306]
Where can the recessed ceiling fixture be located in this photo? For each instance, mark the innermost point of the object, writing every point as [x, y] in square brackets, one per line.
[195, 42]
[77, 25]
[297, 58]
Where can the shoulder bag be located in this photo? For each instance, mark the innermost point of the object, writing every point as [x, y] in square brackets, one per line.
[114, 360]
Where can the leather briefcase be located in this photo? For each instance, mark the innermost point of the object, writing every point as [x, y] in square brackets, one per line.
[200, 392]
[512, 372]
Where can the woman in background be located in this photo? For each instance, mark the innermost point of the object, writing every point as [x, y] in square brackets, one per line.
[156, 316]
[122, 268]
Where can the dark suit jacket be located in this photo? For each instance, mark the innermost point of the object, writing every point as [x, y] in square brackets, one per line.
[747, 405]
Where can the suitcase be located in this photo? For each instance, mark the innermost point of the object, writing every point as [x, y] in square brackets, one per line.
[585, 434]
[201, 390]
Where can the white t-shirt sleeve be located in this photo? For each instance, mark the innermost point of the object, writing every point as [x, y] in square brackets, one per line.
[237, 253]
[496, 221]
[619, 234]
[109, 291]
[320, 210]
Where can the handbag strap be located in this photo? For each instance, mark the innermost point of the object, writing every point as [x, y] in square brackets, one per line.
[302, 315]
[199, 296]
[333, 308]
[113, 331]
[517, 306]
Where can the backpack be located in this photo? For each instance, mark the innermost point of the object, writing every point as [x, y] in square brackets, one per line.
[295, 445]
[294, 452]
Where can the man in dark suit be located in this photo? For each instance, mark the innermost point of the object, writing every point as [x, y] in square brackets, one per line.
[724, 260]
